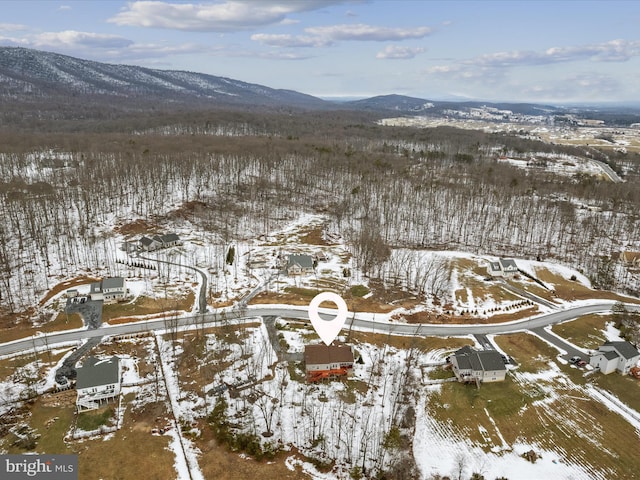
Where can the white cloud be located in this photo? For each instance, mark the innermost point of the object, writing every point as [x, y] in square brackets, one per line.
[284, 40]
[329, 35]
[12, 27]
[64, 7]
[359, 31]
[224, 16]
[612, 51]
[74, 39]
[396, 52]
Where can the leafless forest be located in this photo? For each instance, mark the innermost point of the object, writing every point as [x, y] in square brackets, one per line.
[64, 187]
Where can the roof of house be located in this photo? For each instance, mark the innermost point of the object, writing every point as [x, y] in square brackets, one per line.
[95, 372]
[113, 282]
[508, 263]
[304, 261]
[96, 287]
[321, 354]
[625, 349]
[170, 238]
[146, 241]
[483, 360]
[610, 355]
[494, 266]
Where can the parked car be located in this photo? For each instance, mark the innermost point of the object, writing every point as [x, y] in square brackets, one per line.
[577, 361]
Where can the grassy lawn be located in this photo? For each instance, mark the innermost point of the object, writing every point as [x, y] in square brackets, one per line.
[422, 343]
[585, 332]
[147, 306]
[63, 321]
[541, 405]
[51, 422]
[89, 421]
[625, 387]
[531, 353]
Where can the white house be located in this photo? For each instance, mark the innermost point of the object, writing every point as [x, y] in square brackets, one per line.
[612, 356]
[300, 265]
[470, 365]
[111, 289]
[504, 267]
[97, 382]
[322, 361]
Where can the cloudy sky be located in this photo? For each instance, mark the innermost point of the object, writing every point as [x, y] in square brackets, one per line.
[515, 50]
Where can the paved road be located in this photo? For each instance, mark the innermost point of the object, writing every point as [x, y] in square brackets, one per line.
[359, 321]
[529, 295]
[608, 171]
[559, 343]
[202, 296]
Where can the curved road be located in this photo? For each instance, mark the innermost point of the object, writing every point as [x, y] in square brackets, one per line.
[202, 296]
[359, 321]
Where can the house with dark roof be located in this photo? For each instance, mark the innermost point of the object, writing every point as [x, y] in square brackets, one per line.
[299, 265]
[110, 289]
[471, 365]
[149, 244]
[612, 356]
[504, 267]
[170, 240]
[98, 382]
[327, 361]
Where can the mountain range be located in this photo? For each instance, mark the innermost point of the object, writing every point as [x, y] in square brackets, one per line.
[34, 76]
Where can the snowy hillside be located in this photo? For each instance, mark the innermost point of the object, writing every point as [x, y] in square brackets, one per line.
[28, 73]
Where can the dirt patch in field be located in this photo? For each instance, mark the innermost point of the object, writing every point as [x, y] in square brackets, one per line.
[314, 237]
[137, 227]
[440, 318]
[74, 282]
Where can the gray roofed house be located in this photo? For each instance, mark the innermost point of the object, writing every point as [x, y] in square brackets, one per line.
[299, 264]
[110, 289]
[97, 382]
[612, 356]
[503, 267]
[170, 239]
[149, 244]
[471, 365]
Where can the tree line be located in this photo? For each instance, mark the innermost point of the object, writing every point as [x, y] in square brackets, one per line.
[382, 187]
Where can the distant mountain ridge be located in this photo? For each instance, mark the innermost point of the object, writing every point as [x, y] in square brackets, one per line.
[32, 77]
[27, 73]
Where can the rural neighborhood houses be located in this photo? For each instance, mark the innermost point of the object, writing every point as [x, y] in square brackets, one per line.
[504, 267]
[151, 244]
[98, 382]
[324, 362]
[470, 365]
[612, 356]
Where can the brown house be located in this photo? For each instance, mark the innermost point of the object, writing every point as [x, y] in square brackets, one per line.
[325, 362]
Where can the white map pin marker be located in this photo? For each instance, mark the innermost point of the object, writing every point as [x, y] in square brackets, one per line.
[327, 329]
